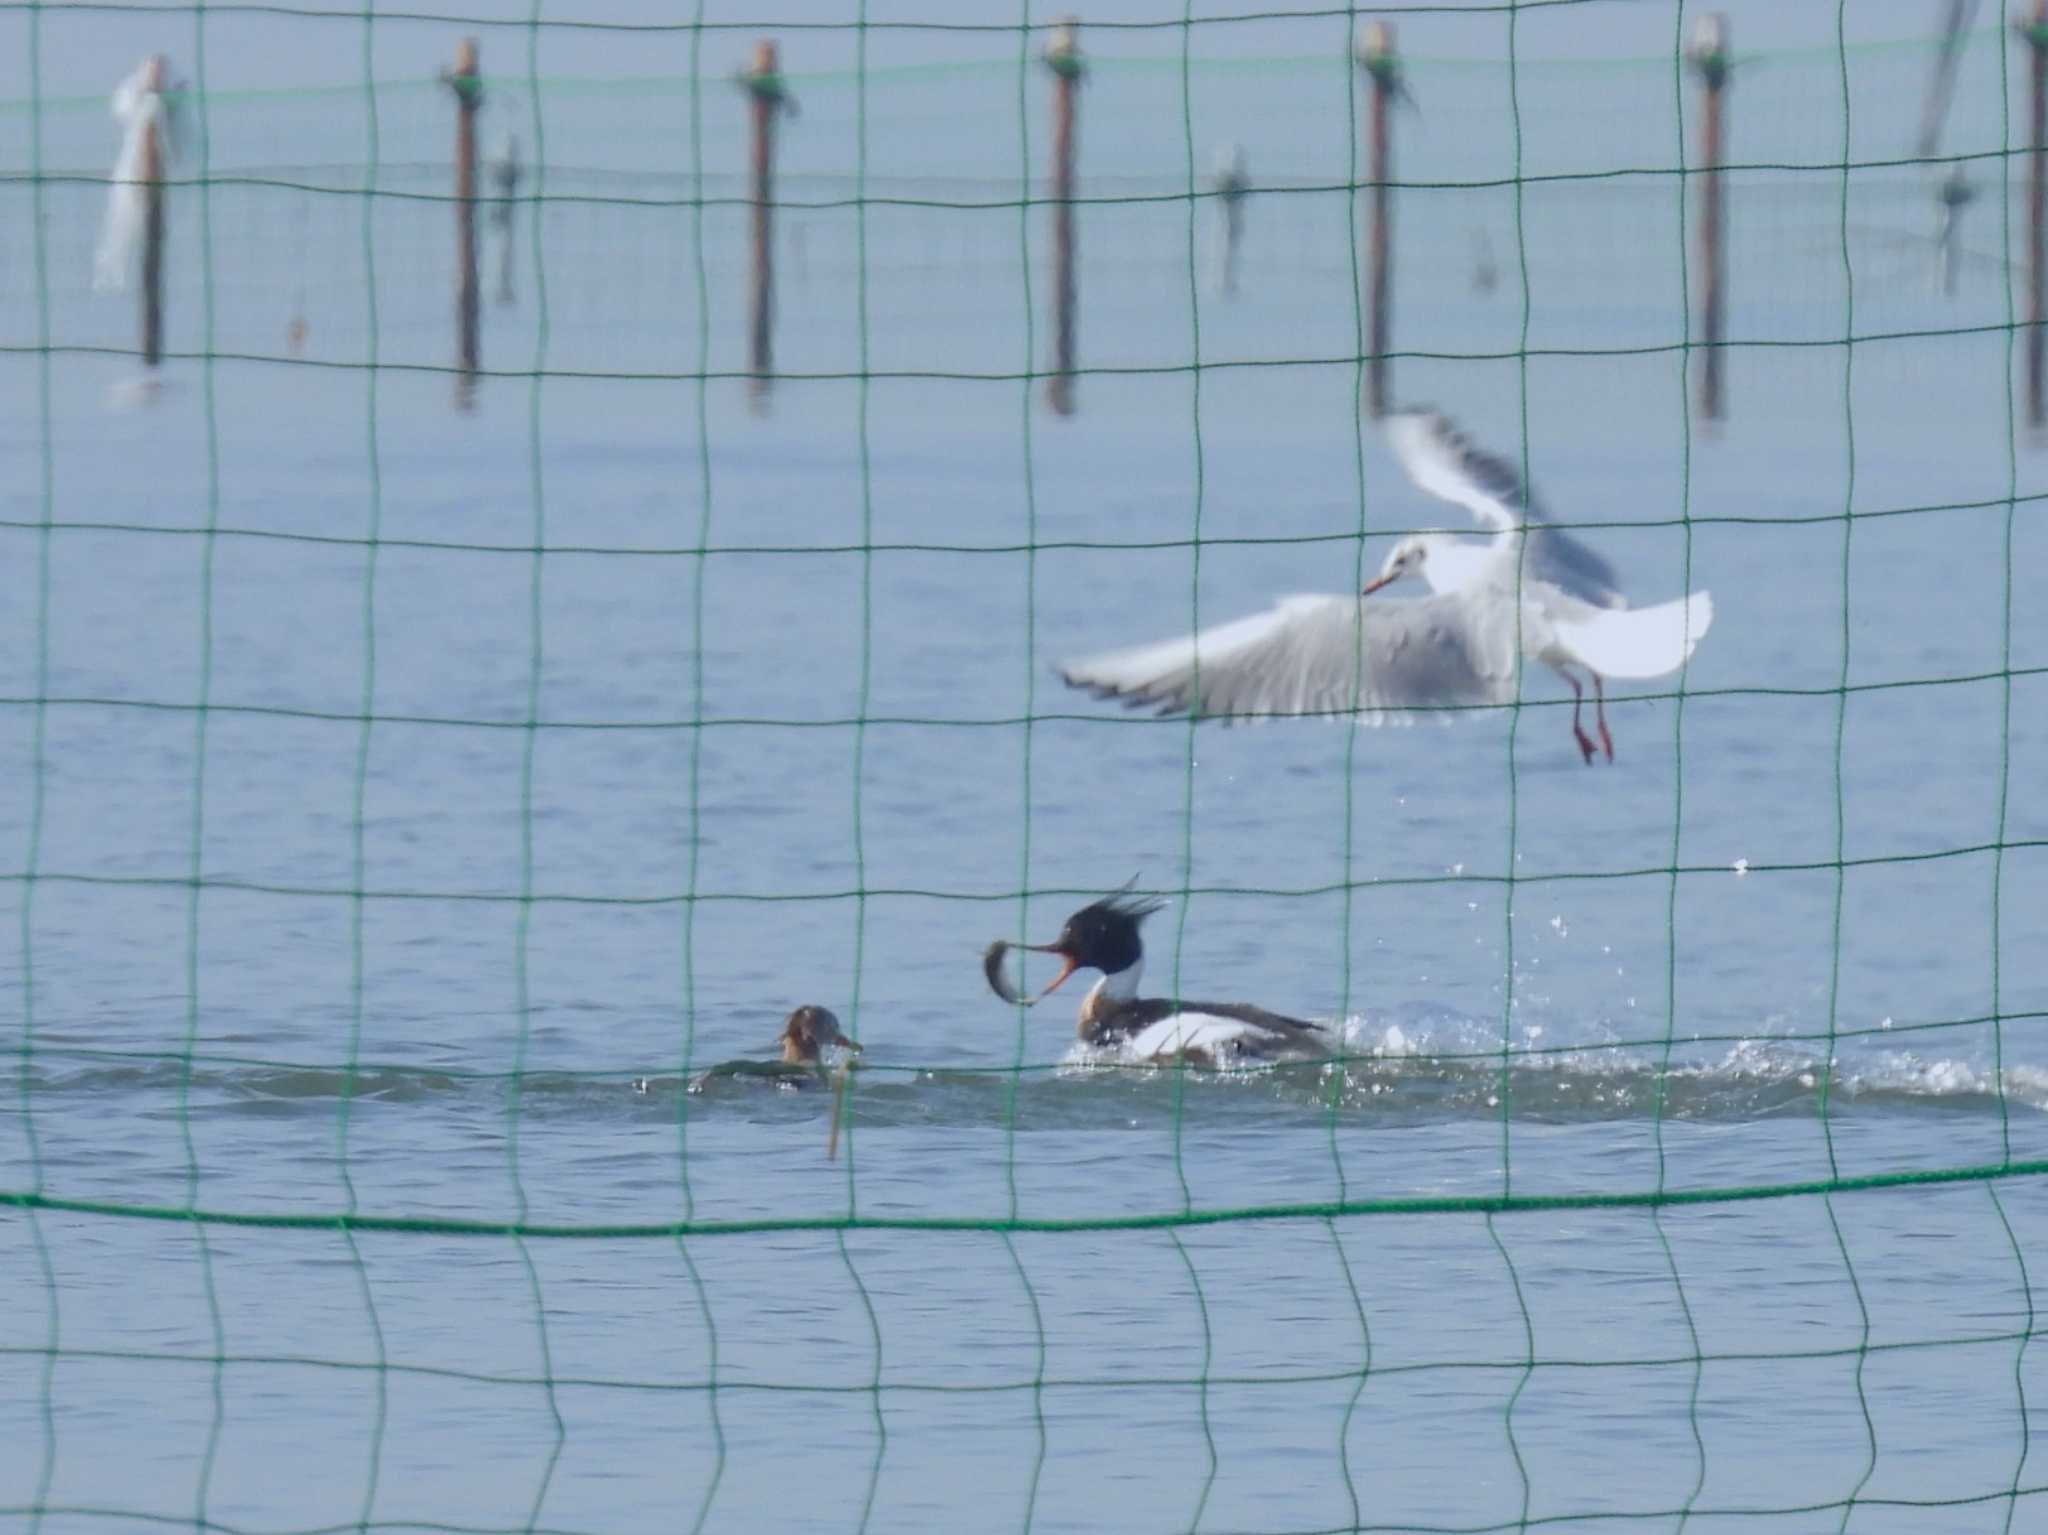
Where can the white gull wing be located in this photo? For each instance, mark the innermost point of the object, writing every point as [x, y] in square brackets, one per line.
[1442, 460]
[1635, 642]
[1320, 654]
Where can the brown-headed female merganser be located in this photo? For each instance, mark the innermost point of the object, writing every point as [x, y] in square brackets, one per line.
[805, 1035]
[1104, 936]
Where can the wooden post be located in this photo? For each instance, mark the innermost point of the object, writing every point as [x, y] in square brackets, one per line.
[2036, 34]
[1063, 58]
[153, 225]
[1709, 54]
[769, 99]
[1376, 54]
[468, 86]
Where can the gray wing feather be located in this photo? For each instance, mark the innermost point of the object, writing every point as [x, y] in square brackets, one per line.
[1442, 460]
[1373, 657]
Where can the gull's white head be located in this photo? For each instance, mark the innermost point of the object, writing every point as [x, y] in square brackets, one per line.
[1404, 559]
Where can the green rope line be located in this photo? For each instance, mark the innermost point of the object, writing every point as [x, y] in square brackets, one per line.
[53, 1333]
[698, 573]
[687, 1062]
[523, 929]
[454, 1075]
[1862, 1355]
[867, 581]
[1660, 1087]
[1028, 376]
[812, 80]
[705, 549]
[1202, 1381]
[1362, 1375]
[765, 24]
[874, 1386]
[1030, 553]
[1036, 1385]
[1185, 903]
[1357, 537]
[1507, 962]
[358, 910]
[2012, 490]
[2019, 1360]
[985, 721]
[1277, 1381]
[1739, 1512]
[881, 892]
[1133, 192]
[1528, 1363]
[209, 546]
[1443, 1204]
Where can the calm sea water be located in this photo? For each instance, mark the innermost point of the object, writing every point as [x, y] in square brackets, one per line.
[424, 797]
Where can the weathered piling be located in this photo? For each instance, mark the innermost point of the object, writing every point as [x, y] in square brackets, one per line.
[1063, 58]
[1941, 86]
[153, 159]
[1376, 54]
[768, 100]
[468, 86]
[2035, 31]
[1709, 56]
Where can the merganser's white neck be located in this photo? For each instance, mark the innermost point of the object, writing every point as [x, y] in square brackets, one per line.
[1120, 987]
[1111, 990]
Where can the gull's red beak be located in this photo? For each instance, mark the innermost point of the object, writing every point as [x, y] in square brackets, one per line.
[1072, 965]
[1376, 583]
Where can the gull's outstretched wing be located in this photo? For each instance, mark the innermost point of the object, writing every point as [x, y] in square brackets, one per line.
[1337, 656]
[1442, 460]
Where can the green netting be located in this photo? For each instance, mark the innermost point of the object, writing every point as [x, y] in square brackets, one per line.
[1568, 1261]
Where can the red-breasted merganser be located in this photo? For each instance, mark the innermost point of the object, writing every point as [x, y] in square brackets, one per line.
[1104, 936]
[805, 1035]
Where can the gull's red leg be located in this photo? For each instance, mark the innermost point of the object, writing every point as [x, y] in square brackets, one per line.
[1578, 697]
[1600, 715]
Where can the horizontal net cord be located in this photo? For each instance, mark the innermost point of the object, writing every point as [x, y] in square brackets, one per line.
[534, 25]
[46, 1049]
[987, 897]
[1332, 62]
[786, 377]
[1164, 197]
[966, 722]
[210, 1526]
[1277, 1378]
[1349, 535]
[1174, 1220]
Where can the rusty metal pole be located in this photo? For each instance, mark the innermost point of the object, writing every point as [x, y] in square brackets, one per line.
[1709, 54]
[1376, 54]
[1063, 58]
[769, 99]
[468, 86]
[153, 225]
[2035, 32]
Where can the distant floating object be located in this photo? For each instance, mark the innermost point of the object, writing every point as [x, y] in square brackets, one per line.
[506, 172]
[1232, 185]
[1954, 195]
[1485, 274]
